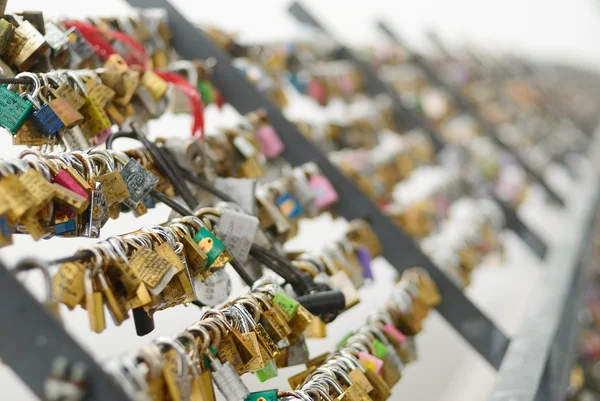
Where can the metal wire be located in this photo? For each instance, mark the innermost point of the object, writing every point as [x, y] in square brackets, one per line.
[17, 81]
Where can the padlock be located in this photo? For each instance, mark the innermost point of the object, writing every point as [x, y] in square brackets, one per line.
[188, 152]
[175, 370]
[46, 120]
[316, 329]
[116, 114]
[298, 352]
[5, 231]
[65, 91]
[288, 206]
[139, 182]
[178, 100]
[268, 372]
[272, 146]
[288, 304]
[7, 31]
[36, 18]
[65, 110]
[227, 380]
[214, 290]
[102, 137]
[237, 231]
[15, 45]
[96, 90]
[96, 120]
[29, 135]
[65, 227]
[14, 109]
[155, 85]
[325, 194]
[74, 139]
[80, 49]
[361, 233]
[216, 252]
[93, 304]
[92, 218]
[267, 395]
[120, 78]
[146, 100]
[35, 45]
[56, 36]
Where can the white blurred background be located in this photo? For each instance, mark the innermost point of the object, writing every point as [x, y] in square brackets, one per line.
[558, 30]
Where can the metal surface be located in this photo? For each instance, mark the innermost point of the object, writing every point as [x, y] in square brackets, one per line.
[521, 371]
[555, 379]
[31, 340]
[375, 85]
[398, 248]
[514, 223]
[467, 106]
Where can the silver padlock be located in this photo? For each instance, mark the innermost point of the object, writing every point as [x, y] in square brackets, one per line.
[93, 217]
[178, 102]
[79, 49]
[139, 182]
[131, 372]
[241, 190]
[227, 380]
[355, 274]
[147, 100]
[298, 352]
[215, 289]
[74, 139]
[186, 151]
[237, 231]
[302, 191]
[56, 36]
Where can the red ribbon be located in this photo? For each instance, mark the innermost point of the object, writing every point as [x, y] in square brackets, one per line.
[219, 101]
[99, 39]
[193, 96]
[141, 58]
[103, 48]
[95, 36]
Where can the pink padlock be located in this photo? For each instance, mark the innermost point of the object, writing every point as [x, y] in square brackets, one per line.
[270, 141]
[370, 362]
[442, 204]
[393, 332]
[317, 91]
[63, 179]
[325, 194]
[102, 137]
[346, 85]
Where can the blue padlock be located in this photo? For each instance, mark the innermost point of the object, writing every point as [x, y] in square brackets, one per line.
[45, 119]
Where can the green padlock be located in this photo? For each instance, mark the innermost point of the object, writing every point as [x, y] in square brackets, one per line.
[267, 395]
[287, 303]
[266, 373]
[381, 350]
[207, 91]
[206, 359]
[212, 247]
[14, 110]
